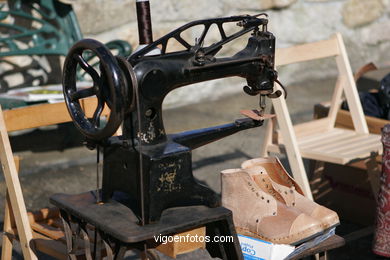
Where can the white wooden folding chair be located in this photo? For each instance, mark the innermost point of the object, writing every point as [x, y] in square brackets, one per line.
[319, 139]
[38, 230]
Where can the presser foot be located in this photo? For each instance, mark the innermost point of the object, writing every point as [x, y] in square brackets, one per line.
[256, 114]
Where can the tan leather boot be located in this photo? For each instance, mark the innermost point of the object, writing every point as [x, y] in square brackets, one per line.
[258, 214]
[269, 170]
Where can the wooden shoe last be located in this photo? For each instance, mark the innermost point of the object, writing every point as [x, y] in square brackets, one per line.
[270, 170]
[258, 214]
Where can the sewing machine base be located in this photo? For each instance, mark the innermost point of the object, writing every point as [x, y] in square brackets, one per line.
[117, 224]
[168, 180]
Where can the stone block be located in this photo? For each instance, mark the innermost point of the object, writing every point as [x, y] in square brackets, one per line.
[361, 12]
[259, 4]
[188, 10]
[97, 16]
[374, 34]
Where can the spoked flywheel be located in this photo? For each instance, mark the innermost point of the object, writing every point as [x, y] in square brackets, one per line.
[110, 86]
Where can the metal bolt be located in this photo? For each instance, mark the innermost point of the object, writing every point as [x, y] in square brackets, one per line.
[148, 112]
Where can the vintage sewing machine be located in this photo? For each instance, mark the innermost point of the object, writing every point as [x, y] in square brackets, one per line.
[148, 186]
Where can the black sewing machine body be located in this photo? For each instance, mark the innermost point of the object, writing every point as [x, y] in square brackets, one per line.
[167, 164]
[167, 171]
[148, 186]
[134, 90]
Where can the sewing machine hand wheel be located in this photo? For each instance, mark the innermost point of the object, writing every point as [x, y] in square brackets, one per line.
[109, 87]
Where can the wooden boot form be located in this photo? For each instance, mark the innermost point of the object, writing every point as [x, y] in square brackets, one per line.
[258, 214]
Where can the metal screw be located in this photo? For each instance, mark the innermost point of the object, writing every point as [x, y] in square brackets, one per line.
[148, 112]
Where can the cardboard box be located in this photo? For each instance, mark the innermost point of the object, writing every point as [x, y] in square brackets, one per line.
[256, 249]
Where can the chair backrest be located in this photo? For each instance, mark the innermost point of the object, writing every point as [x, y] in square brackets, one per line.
[33, 22]
[44, 30]
[333, 47]
[36, 27]
[46, 114]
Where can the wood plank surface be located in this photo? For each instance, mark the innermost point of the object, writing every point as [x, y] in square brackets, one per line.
[45, 114]
[374, 124]
[172, 249]
[48, 231]
[306, 52]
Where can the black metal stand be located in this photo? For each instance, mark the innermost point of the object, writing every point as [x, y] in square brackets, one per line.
[119, 229]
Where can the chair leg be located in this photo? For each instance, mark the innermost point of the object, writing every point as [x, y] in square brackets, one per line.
[6, 252]
[316, 176]
[291, 144]
[15, 193]
[267, 139]
[323, 256]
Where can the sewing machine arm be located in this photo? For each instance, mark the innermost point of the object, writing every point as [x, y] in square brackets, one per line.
[196, 64]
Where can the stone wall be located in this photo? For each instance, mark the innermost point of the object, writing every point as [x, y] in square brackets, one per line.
[365, 25]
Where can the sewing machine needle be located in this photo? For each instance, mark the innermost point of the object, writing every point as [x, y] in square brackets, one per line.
[262, 105]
